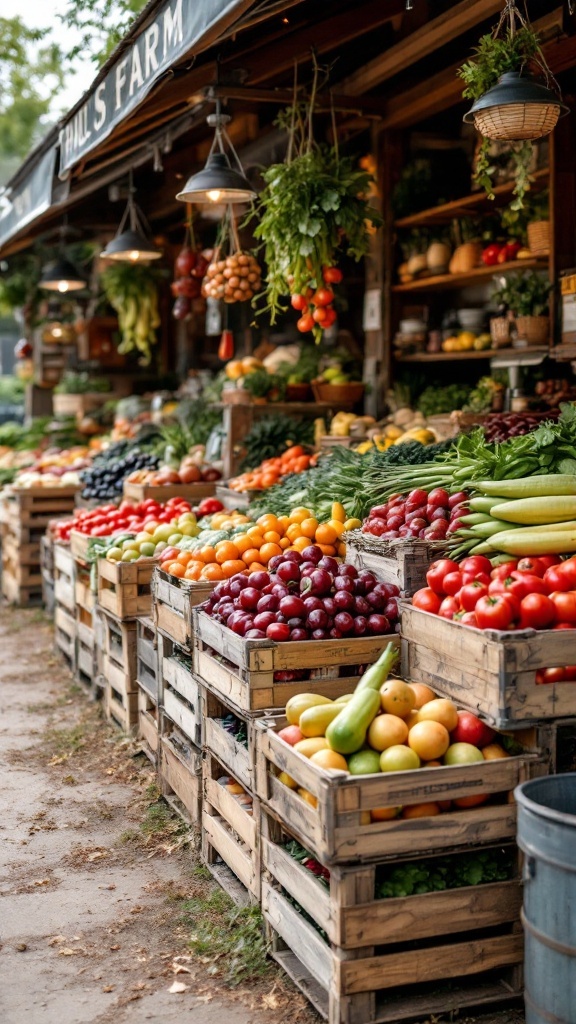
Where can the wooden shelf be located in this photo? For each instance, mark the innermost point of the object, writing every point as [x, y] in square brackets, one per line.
[455, 281]
[468, 204]
[445, 357]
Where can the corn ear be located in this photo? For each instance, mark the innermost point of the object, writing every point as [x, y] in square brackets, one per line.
[482, 503]
[526, 542]
[537, 511]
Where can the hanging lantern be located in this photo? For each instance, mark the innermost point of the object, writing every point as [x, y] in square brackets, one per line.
[131, 244]
[61, 276]
[517, 109]
[219, 181]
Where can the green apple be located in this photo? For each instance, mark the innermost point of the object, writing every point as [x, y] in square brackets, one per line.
[173, 539]
[114, 554]
[148, 549]
[163, 532]
[364, 762]
[462, 753]
[332, 372]
[143, 538]
[126, 544]
[130, 555]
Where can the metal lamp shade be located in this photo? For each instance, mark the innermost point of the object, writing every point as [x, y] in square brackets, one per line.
[131, 247]
[517, 108]
[61, 276]
[218, 182]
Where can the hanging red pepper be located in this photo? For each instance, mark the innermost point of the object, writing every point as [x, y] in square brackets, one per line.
[226, 346]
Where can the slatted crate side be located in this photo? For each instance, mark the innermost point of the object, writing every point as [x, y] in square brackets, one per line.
[148, 723]
[124, 587]
[336, 829]
[398, 986]
[180, 773]
[84, 595]
[119, 642]
[247, 677]
[47, 553]
[229, 831]
[491, 673]
[98, 627]
[120, 708]
[65, 633]
[21, 551]
[180, 691]
[85, 653]
[26, 577]
[192, 492]
[402, 563]
[147, 659]
[48, 591]
[173, 603]
[236, 756]
[64, 574]
[352, 916]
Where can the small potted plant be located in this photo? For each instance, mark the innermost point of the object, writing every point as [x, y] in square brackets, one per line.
[527, 296]
[263, 386]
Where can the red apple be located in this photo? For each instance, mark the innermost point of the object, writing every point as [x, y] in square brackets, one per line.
[471, 730]
[291, 734]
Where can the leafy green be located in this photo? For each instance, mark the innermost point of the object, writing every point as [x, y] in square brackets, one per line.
[80, 384]
[450, 872]
[436, 400]
[525, 294]
[271, 436]
[494, 56]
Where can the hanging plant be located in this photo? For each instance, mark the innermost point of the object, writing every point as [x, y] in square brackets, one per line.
[313, 207]
[509, 102]
[133, 292]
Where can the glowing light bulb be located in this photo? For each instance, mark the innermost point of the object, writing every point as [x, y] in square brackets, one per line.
[214, 195]
[56, 332]
[134, 255]
[63, 286]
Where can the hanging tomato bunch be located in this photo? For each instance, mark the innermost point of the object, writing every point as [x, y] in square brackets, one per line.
[316, 305]
[190, 267]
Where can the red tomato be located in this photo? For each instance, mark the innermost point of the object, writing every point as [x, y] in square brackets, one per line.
[449, 608]
[299, 302]
[557, 578]
[568, 569]
[570, 674]
[533, 566]
[553, 675]
[504, 570]
[476, 564]
[563, 625]
[475, 577]
[305, 323]
[537, 611]
[323, 297]
[471, 594]
[565, 605]
[494, 612]
[452, 583]
[426, 600]
[437, 571]
[533, 584]
[100, 531]
[549, 560]
[332, 275]
[469, 619]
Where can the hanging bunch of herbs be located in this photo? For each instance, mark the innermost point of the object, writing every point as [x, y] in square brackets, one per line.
[314, 207]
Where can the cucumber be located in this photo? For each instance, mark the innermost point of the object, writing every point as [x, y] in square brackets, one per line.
[377, 674]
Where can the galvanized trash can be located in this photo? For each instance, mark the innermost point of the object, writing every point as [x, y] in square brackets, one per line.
[547, 837]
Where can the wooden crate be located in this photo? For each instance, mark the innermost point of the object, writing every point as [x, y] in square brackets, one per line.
[120, 704]
[173, 602]
[79, 405]
[19, 586]
[119, 645]
[148, 724]
[180, 772]
[336, 830]
[232, 500]
[20, 551]
[229, 830]
[245, 679]
[85, 653]
[65, 633]
[124, 587]
[236, 756]
[353, 942]
[84, 595]
[64, 574]
[490, 672]
[48, 591]
[401, 562]
[193, 493]
[179, 693]
[147, 668]
[79, 545]
[35, 504]
[47, 553]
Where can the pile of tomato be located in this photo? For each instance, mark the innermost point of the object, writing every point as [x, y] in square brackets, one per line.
[316, 305]
[271, 471]
[107, 520]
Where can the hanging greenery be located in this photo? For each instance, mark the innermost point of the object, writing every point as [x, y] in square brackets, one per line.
[133, 292]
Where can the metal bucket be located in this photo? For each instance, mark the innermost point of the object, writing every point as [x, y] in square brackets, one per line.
[547, 837]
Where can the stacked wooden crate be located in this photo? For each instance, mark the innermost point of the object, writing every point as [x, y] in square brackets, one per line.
[24, 518]
[179, 760]
[401, 562]
[147, 673]
[65, 604]
[85, 612]
[240, 684]
[47, 571]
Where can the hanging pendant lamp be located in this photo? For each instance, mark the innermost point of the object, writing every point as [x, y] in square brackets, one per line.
[517, 108]
[219, 181]
[131, 244]
[61, 276]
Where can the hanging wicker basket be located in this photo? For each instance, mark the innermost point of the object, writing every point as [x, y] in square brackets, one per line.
[517, 122]
[539, 237]
[533, 330]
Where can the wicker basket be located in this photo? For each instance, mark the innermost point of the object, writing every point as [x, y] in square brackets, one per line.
[500, 331]
[517, 121]
[236, 396]
[341, 395]
[539, 237]
[534, 330]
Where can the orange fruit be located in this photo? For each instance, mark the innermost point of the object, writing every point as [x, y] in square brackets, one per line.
[309, 527]
[341, 550]
[176, 569]
[255, 531]
[384, 813]
[212, 572]
[387, 730]
[326, 534]
[272, 537]
[421, 811]
[293, 532]
[184, 557]
[471, 801]
[430, 740]
[423, 694]
[329, 759]
[243, 542]
[301, 543]
[396, 697]
[268, 551]
[268, 480]
[326, 549]
[256, 567]
[284, 543]
[337, 526]
[232, 566]
[298, 515]
[225, 550]
[267, 522]
[193, 571]
[308, 797]
[283, 522]
[439, 710]
[207, 554]
[252, 555]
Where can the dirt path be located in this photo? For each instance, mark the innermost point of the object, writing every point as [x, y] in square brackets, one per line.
[99, 892]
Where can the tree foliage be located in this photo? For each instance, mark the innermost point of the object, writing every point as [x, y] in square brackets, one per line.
[101, 25]
[31, 73]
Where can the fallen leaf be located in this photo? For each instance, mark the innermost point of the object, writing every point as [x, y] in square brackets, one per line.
[66, 951]
[114, 947]
[56, 940]
[97, 855]
[178, 986]
[180, 969]
[42, 881]
[108, 988]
